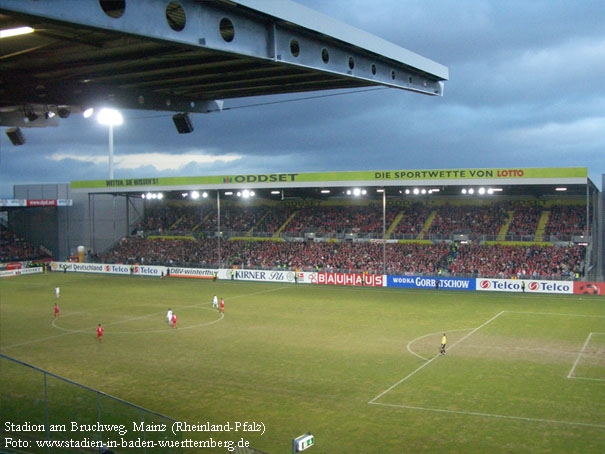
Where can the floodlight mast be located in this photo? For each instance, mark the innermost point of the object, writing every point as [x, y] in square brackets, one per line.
[111, 118]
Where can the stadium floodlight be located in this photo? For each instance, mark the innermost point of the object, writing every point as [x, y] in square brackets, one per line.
[471, 191]
[88, 112]
[160, 196]
[356, 192]
[380, 190]
[463, 191]
[560, 189]
[111, 118]
[185, 195]
[7, 33]
[325, 191]
[481, 191]
[277, 192]
[195, 195]
[229, 193]
[205, 194]
[407, 191]
[423, 191]
[416, 191]
[245, 193]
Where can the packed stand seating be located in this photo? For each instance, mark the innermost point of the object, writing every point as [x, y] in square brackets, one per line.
[163, 251]
[274, 219]
[520, 261]
[234, 218]
[526, 216]
[469, 219]
[14, 249]
[338, 220]
[161, 218]
[413, 219]
[401, 258]
[344, 256]
[566, 220]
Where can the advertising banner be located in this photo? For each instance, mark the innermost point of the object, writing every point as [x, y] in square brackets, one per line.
[448, 283]
[368, 280]
[261, 275]
[153, 271]
[589, 288]
[197, 273]
[531, 286]
[19, 272]
[90, 267]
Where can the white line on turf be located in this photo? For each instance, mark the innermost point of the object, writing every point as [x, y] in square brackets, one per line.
[587, 378]
[129, 319]
[427, 335]
[472, 413]
[414, 372]
[579, 356]
[554, 313]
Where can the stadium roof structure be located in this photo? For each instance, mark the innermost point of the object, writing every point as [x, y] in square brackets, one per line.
[508, 181]
[187, 55]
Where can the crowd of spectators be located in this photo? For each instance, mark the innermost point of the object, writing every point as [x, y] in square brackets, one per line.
[401, 258]
[367, 220]
[520, 261]
[465, 219]
[566, 220]
[15, 249]
[526, 216]
[412, 219]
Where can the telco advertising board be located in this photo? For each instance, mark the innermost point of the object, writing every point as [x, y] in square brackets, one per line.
[447, 283]
[516, 285]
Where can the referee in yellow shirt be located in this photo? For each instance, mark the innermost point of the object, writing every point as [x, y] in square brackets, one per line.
[443, 342]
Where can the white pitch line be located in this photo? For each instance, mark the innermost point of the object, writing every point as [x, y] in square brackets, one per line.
[126, 320]
[587, 378]
[579, 356]
[489, 415]
[427, 335]
[434, 358]
[554, 313]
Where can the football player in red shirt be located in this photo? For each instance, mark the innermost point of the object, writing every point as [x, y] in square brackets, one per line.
[100, 333]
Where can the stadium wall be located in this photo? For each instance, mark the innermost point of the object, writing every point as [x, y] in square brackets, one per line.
[63, 229]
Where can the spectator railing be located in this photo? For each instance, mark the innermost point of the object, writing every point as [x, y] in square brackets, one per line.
[40, 398]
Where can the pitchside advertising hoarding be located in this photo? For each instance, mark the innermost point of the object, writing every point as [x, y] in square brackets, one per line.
[589, 288]
[449, 283]
[369, 280]
[531, 286]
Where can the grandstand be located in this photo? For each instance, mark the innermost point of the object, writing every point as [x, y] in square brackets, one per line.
[531, 223]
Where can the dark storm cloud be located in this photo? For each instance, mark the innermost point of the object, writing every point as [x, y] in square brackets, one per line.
[525, 89]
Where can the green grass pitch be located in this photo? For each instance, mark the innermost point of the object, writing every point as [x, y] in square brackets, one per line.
[356, 367]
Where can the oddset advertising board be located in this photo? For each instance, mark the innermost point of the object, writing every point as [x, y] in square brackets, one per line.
[531, 286]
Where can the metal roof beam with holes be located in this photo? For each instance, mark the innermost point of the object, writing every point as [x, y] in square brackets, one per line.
[184, 55]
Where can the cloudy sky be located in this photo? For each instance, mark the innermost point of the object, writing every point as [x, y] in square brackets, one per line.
[526, 89]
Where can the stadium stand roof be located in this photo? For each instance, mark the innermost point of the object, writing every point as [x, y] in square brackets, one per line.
[509, 181]
[187, 55]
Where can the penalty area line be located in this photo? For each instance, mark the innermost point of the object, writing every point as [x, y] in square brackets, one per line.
[489, 415]
[414, 372]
